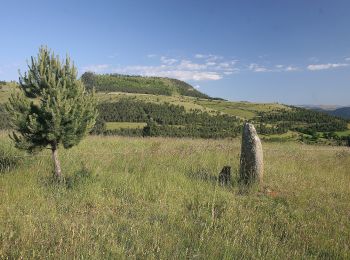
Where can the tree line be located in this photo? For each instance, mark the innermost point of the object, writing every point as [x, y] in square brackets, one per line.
[165, 120]
[302, 120]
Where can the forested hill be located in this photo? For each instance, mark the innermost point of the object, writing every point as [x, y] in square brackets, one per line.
[139, 84]
[343, 112]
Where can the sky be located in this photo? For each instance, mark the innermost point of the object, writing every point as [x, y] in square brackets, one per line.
[286, 51]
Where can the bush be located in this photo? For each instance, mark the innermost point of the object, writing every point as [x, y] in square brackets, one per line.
[82, 176]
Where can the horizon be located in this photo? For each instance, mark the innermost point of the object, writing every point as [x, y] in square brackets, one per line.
[295, 53]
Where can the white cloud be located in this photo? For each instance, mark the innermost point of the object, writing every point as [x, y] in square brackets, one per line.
[208, 57]
[199, 56]
[98, 68]
[206, 67]
[256, 68]
[277, 68]
[291, 68]
[224, 65]
[314, 67]
[188, 65]
[210, 63]
[347, 59]
[167, 61]
[169, 71]
[197, 86]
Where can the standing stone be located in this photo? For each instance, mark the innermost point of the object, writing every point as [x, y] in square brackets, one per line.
[252, 165]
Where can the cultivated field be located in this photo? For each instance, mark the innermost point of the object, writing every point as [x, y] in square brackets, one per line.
[158, 198]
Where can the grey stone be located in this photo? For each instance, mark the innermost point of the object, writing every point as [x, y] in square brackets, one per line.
[252, 164]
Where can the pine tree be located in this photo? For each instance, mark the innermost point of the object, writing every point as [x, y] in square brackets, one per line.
[52, 107]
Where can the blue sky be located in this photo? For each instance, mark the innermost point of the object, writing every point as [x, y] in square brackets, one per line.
[287, 51]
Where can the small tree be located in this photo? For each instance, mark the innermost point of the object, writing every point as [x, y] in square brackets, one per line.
[52, 107]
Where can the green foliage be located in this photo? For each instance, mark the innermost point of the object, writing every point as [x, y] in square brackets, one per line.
[168, 120]
[82, 177]
[303, 120]
[52, 107]
[138, 84]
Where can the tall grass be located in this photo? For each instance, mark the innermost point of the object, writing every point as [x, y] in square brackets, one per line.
[158, 198]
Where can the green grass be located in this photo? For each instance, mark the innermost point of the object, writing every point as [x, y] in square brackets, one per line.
[343, 133]
[157, 199]
[119, 125]
[246, 110]
[289, 136]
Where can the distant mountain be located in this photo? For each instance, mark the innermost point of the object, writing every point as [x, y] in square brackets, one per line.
[334, 110]
[343, 112]
[321, 107]
[140, 85]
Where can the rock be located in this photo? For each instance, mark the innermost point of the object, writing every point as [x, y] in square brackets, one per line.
[252, 165]
[225, 175]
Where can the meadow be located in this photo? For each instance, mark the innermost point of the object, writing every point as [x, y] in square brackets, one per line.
[158, 198]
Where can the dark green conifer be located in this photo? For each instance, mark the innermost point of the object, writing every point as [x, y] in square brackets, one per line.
[52, 107]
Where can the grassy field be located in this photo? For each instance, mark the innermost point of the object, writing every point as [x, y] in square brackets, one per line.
[241, 109]
[344, 133]
[158, 199]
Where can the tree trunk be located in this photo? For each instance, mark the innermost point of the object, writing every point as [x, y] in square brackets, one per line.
[58, 173]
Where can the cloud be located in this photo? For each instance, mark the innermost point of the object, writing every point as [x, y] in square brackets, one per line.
[256, 68]
[277, 68]
[327, 66]
[347, 59]
[183, 69]
[291, 68]
[211, 63]
[208, 57]
[168, 71]
[167, 61]
[188, 65]
[197, 86]
[98, 68]
[199, 56]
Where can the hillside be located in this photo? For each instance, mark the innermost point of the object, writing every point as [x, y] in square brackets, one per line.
[176, 115]
[139, 84]
[343, 112]
[339, 111]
